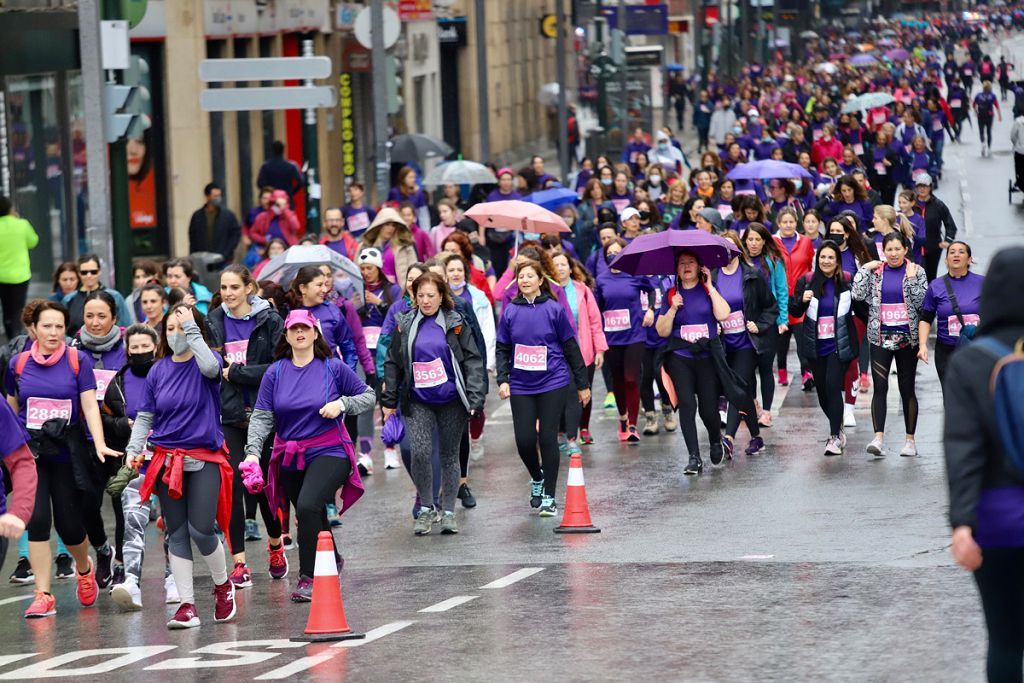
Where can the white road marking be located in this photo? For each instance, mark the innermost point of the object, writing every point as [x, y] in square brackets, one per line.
[231, 648]
[298, 666]
[756, 557]
[506, 581]
[110, 659]
[19, 598]
[11, 659]
[448, 604]
[376, 634]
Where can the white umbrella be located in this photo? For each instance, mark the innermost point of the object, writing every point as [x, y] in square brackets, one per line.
[548, 94]
[460, 172]
[826, 68]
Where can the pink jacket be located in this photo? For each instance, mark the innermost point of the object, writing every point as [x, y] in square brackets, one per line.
[590, 331]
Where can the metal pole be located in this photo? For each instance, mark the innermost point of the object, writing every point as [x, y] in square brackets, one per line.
[309, 147]
[727, 34]
[602, 80]
[121, 230]
[563, 113]
[380, 100]
[623, 76]
[97, 226]
[745, 47]
[483, 101]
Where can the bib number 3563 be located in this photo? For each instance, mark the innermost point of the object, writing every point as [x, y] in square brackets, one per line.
[429, 374]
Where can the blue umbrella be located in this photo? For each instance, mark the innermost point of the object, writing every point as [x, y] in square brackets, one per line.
[766, 170]
[674, 67]
[553, 198]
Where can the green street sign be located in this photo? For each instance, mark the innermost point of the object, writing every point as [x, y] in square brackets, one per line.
[133, 11]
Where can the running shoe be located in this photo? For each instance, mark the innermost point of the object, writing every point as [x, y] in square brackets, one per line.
[241, 577]
[842, 439]
[574, 448]
[548, 507]
[695, 466]
[171, 596]
[117, 574]
[833, 447]
[392, 461]
[755, 447]
[632, 436]
[585, 437]
[224, 605]
[623, 430]
[563, 448]
[277, 561]
[466, 496]
[876, 447]
[727, 446]
[303, 590]
[808, 381]
[286, 539]
[22, 572]
[609, 401]
[252, 531]
[44, 605]
[87, 588]
[365, 464]
[765, 419]
[365, 444]
[424, 521]
[104, 561]
[848, 418]
[536, 491]
[185, 617]
[650, 423]
[909, 449]
[448, 525]
[333, 518]
[476, 449]
[127, 595]
[783, 378]
[717, 452]
[670, 420]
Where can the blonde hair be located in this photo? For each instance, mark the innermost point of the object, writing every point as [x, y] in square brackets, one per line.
[896, 220]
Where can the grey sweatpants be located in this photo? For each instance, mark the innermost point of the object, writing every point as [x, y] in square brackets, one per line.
[449, 420]
[136, 519]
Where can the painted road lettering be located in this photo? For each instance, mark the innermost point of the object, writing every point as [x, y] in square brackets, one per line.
[227, 649]
[111, 658]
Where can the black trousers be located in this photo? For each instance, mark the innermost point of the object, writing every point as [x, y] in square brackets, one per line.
[310, 491]
[697, 391]
[828, 382]
[765, 372]
[906, 370]
[943, 352]
[650, 374]
[56, 486]
[235, 438]
[744, 364]
[1018, 166]
[1000, 580]
[12, 300]
[527, 410]
[985, 128]
[586, 410]
[931, 263]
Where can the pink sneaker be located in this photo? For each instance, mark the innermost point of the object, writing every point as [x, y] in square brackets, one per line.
[224, 610]
[240, 576]
[185, 617]
[278, 562]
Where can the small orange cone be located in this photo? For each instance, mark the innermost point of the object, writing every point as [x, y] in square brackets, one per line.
[327, 614]
[576, 517]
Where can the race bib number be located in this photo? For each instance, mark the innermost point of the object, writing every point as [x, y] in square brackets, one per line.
[968, 72]
[372, 336]
[530, 358]
[954, 323]
[879, 117]
[734, 324]
[427, 375]
[658, 295]
[827, 327]
[894, 315]
[693, 333]
[103, 380]
[617, 320]
[936, 124]
[817, 133]
[39, 410]
[858, 149]
[358, 222]
[620, 204]
[881, 252]
[955, 104]
[236, 351]
[879, 168]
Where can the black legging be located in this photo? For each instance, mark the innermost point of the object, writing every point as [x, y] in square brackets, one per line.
[57, 487]
[744, 364]
[310, 490]
[235, 438]
[12, 301]
[527, 410]
[570, 422]
[697, 389]
[828, 375]
[650, 374]
[906, 370]
[1000, 580]
[783, 347]
[985, 128]
[625, 363]
[765, 371]
[585, 412]
[931, 263]
[943, 352]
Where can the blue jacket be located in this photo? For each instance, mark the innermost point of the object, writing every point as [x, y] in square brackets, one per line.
[779, 287]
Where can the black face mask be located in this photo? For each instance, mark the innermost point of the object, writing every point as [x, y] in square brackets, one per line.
[645, 215]
[140, 363]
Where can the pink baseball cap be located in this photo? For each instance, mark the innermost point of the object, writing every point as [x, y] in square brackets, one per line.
[301, 316]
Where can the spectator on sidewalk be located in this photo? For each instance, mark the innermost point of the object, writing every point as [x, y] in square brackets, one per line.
[17, 237]
[214, 227]
[280, 173]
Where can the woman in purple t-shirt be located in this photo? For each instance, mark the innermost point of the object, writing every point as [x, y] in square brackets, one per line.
[536, 357]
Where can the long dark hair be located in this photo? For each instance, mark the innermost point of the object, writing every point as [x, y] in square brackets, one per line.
[305, 275]
[770, 250]
[164, 351]
[819, 278]
[321, 350]
[66, 267]
[853, 239]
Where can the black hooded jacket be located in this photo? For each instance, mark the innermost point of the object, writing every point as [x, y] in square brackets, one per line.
[975, 459]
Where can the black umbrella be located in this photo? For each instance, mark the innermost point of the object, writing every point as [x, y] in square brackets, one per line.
[417, 147]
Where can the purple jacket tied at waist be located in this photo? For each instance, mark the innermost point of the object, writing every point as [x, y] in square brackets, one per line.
[293, 454]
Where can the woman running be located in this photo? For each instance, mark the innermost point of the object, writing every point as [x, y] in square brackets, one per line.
[955, 300]
[433, 368]
[853, 252]
[894, 290]
[829, 337]
[537, 357]
[307, 292]
[650, 371]
[245, 330]
[765, 256]
[798, 256]
[303, 395]
[52, 388]
[619, 297]
[690, 316]
[179, 414]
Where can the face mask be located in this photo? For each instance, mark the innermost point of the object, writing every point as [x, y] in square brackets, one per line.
[606, 182]
[217, 201]
[140, 363]
[798, 183]
[662, 146]
[655, 179]
[178, 343]
[737, 130]
[645, 215]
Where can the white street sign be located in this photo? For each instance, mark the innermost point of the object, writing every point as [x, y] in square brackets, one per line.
[261, 99]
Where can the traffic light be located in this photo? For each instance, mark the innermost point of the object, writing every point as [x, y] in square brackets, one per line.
[127, 106]
[393, 84]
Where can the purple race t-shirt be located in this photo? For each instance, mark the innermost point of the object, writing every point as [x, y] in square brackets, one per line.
[536, 333]
[185, 405]
[849, 262]
[622, 311]
[12, 433]
[967, 291]
[134, 390]
[694, 320]
[734, 328]
[332, 325]
[893, 311]
[826, 321]
[433, 376]
[296, 395]
[52, 391]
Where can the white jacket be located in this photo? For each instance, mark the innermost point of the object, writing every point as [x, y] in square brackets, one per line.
[1017, 135]
[485, 318]
[722, 122]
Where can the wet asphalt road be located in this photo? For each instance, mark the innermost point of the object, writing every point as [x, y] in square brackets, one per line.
[785, 566]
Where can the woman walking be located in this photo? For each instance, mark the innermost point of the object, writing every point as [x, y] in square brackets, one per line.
[308, 292]
[764, 255]
[798, 256]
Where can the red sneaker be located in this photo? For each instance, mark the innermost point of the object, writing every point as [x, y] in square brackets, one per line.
[185, 617]
[43, 606]
[631, 434]
[623, 431]
[241, 576]
[585, 436]
[278, 562]
[865, 383]
[783, 378]
[224, 610]
[87, 588]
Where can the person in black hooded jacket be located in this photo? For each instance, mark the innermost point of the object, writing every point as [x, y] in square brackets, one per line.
[986, 497]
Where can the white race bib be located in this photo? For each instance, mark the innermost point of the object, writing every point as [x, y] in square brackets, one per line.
[372, 336]
[858, 149]
[827, 327]
[617, 320]
[894, 315]
[236, 351]
[692, 333]
[955, 104]
[879, 168]
[103, 380]
[530, 358]
[39, 410]
[734, 324]
[358, 221]
[954, 323]
[429, 374]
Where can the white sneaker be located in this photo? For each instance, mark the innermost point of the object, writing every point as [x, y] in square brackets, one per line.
[171, 589]
[127, 595]
[365, 464]
[833, 446]
[476, 449]
[723, 417]
[848, 419]
[392, 461]
[909, 449]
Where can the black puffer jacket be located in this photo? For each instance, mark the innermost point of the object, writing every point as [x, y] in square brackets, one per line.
[847, 343]
[975, 459]
[258, 358]
[759, 307]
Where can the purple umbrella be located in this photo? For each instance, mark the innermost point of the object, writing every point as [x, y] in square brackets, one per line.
[393, 430]
[767, 169]
[898, 55]
[656, 253]
[863, 60]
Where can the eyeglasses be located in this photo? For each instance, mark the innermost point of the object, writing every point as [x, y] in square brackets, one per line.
[89, 272]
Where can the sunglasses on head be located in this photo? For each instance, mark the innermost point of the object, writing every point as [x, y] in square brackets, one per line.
[89, 272]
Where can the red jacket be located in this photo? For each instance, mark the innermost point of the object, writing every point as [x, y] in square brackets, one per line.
[352, 245]
[288, 222]
[799, 263]
[822, 150]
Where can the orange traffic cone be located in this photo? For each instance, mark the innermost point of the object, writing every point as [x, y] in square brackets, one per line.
[576, 518]
[327, 613]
